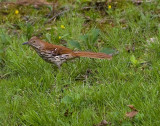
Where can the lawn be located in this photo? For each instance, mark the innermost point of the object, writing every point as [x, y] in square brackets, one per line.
[84, 91]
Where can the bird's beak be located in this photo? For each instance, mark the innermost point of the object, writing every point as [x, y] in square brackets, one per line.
[25, 43]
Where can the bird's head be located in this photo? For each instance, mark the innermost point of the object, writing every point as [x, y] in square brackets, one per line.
[35, 42]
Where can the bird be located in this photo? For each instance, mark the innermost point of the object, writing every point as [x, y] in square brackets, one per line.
[56, 54]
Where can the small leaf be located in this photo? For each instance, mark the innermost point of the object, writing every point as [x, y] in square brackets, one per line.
[48, 36]
[4, 38]
[133, 60]
[131, 107]
[103, 123]
[94, 35]
[67, 100]
[108, 51]
[74, 44]
[84, 38]
[133, 113]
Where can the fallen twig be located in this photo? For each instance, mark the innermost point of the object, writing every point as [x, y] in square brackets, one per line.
[55, 16]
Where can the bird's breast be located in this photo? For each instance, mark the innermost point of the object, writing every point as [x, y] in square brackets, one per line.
[52, 57]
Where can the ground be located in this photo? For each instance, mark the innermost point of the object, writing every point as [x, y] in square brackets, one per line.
[85, 91]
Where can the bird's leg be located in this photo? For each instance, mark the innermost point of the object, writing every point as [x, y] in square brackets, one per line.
[59, 67]
[53, 68]
[56, 67]
[59, 64]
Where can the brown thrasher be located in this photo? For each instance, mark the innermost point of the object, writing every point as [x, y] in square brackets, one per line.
[59, 54]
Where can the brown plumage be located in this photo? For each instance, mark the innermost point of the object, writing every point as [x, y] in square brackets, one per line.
[93, 55]
[59, 54]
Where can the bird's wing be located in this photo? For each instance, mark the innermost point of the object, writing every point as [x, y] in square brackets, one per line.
[57, 50]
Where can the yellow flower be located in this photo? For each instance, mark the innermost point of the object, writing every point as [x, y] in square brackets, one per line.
[62, 26]
[59, 37]
[109, 6]
[16, 12]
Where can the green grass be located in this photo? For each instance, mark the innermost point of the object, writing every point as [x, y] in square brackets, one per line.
[85, 91]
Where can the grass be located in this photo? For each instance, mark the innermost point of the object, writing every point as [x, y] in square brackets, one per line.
[85, 91]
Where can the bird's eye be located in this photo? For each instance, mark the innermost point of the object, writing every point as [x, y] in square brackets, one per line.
[33, 41]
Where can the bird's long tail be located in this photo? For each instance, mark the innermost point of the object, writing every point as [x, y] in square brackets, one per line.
[93, 55]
